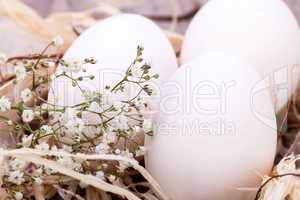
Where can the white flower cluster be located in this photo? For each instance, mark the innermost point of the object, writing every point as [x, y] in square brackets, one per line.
[26, 95]
[286, 185]
[20, 71]
[100, 124]
[5, 104]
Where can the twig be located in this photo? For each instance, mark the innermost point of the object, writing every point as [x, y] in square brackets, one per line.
[77, 32]
[30, 152]
[87, 179]
[34, 57]
[67, 192]
[38, 191]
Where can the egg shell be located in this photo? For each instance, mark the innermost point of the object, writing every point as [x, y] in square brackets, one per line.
[215, 131]
[264, 33]
[113, 43]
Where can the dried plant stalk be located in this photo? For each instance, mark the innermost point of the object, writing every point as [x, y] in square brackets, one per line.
[27, 154]
[87, 179]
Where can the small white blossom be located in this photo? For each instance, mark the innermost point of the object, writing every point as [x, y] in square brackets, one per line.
[147, 125]
[10, 123]
[125, 165]
[72, 65]
[28, 115]
[18, 196]
[18, 164]
[102, 148]
[3, 58]
[141, 151]
[26, 140]
[58, 41]
[75, 126]
[109, 136]
[90, 95]
[121, 122]
[5, 104]
[26, 95]
[117, 151]
[16, 177]
[69, 115]
[38, 172]
[38, 180]
[47, 129]
[112, 178]
[20, 71]
[45, 106]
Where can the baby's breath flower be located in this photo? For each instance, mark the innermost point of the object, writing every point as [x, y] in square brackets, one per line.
[20, 71]
[38, 180]
[112, 178]
[75, 126]
[109, 136]
[71, 65]
[147, 125]
[16, 177]
[18, 164]
[58, 41]
[18, 196]
[5, 104]
[28, 115]
[121, 122]
[26, 140]
[69, 115]
[3, 58]
[141, 151]
[26, 95]
[102, 148]
[47, 129]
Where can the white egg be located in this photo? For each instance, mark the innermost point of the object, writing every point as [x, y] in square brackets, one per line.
[215, 132]
[113, 43]
[264, 33]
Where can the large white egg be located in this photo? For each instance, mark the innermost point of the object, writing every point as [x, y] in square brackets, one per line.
[215, 132]
[113, 43]
[264, 33]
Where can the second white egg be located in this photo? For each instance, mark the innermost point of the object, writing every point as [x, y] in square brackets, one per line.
[215, 131]
[263, 33]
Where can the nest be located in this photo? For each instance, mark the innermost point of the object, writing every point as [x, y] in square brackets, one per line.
[284, 177]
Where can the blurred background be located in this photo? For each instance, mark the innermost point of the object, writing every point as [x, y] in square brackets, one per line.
[161, 9]
[28, 25]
